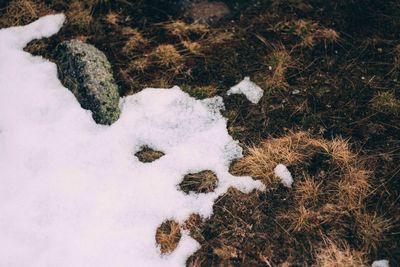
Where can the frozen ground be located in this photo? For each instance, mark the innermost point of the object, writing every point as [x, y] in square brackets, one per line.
[72, 193]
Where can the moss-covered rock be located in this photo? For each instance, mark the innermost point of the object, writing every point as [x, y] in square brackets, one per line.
[86, 71]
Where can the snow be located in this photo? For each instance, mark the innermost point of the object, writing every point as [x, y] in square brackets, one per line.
[246, 87]
[380, 263]
[284, 174]
[72, 193]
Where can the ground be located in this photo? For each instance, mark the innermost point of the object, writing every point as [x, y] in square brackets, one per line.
[330, 71]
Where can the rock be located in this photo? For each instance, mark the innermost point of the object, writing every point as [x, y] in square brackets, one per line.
[207, 12]
[85, 70]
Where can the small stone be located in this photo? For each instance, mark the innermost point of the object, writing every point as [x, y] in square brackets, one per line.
[207, 12]
[296, 92]
[85, 70]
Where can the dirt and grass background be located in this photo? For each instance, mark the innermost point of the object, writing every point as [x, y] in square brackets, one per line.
[330, 112]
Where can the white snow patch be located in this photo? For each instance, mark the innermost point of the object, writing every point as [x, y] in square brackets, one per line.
[380, 263]
[72, 193]
[246, 87]
[284, 174]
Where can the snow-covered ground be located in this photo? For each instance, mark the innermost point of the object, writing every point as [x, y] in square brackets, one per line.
[72, 193]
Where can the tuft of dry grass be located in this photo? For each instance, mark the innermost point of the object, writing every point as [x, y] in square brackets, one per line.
[147, 154]
[308, 32]
[370, 229]
[36, 47]
[112, 18]
[308, 191]
[182, 29]
[386, 102]
[200, 182]
[354, 187]
[220, 37]
[167, 56]
[201, 92]
[331, 255]
[328, 35]
[134, 42]
[79, 16]
[168, 235]
[260, 161]
[192, 47]
[340, 152]
[303, 219]
[396, 61]
[139, 64]
[279, 61]
[21, 12]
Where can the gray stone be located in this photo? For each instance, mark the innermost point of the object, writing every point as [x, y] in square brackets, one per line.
[85, 70]
[206, 12]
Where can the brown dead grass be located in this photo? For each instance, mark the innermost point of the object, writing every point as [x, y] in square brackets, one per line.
[21, 12]
[308, 191]
[167, 56]
[261, 160]
[168, 235]
[371, 229]
[386, 102]
[182, 29]
[147, 154]
[135, 40]
[309, 32]
[193, 47]
[201, 182]
[79, 15]
[331, 255]
[327, 203]
[279, 60]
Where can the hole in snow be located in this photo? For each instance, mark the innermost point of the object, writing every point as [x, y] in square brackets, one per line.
[168, 235]
[200, 182]
[147, 154]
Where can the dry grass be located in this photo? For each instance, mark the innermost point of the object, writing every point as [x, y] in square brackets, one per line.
[327, 203]
[113, 18]
[220, 37]
[167, 236]
[36, 47]
[201, 182]
[193, 47]
[303, 219]
[308, 32]
[139, 64]
[279, 60]
[331, 255]
[308, 191]
[147, 154]
[260, 161]
[79, 16]
[135, 40]
[328, 35]
[166, 55]
[182, 29]
[386, 102]
[371, 229]
[21, 12]
[201, 92]
[353, 187]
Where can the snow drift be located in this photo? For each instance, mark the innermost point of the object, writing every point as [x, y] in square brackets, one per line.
[72, 192]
